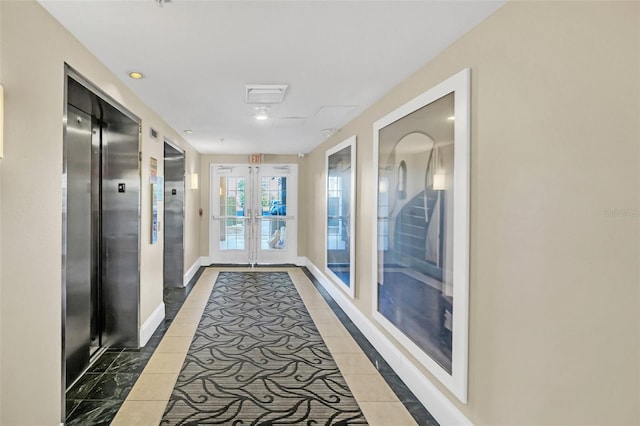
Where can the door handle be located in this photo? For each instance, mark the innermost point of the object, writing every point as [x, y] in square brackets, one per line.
[230, 217]
[276, 217]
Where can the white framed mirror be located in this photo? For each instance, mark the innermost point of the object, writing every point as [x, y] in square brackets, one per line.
[340, 214]
[421, 257]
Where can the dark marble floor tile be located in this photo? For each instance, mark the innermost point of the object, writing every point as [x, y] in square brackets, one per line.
[83, 386]
[169, 315]
[71, 404]
[332, 303]
[130, 362]
[353, 329]
[362, 342]
[379, 363]
[417, 410]
[103, 363]
[166, 322]
[376, 359]
[128, 350]
[122, 368]
[93, 413]
[420, 414]
[341, 315]
[401, 390]
[177, 295]
[152, 344]
[162, 329]
[113, 386]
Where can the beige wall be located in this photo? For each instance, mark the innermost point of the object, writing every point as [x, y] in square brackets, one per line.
[192, 219]
[205, 185]
[1, 222]
[33, 52]
[554, 280]
[554, 325]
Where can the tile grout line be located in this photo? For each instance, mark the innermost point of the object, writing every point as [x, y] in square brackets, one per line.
[316, 309]
[192, 294]
[72, 416]
[326, 307]
[420, 414]
[312, 308]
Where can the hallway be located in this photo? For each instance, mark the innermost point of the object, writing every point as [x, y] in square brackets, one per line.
[134, 387]
[487, 301]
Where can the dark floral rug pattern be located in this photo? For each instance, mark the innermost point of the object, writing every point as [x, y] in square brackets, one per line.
[258, 359]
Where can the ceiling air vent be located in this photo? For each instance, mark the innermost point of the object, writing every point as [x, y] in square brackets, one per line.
[265, 93]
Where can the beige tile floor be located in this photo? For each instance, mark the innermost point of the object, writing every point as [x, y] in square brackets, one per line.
[148, 398]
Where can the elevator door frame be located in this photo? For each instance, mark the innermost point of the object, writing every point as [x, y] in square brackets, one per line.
[69, 72]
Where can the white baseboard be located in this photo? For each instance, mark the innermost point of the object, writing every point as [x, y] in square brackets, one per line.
[150, 325]
[192, 271]
[205, 261]
[442, 409]
[301, 261]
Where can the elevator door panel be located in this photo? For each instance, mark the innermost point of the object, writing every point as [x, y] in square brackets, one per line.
[120, 231]
[78, 240]
[173, 217]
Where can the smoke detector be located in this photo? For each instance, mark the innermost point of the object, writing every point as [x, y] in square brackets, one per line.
[265, 93]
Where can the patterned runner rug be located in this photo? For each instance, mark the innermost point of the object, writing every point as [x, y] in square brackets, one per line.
[258, 359]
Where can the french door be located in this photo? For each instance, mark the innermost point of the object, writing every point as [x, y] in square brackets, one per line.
[254, 211]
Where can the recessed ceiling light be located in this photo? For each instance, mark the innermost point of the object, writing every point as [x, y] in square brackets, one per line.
[188, 131]
[136, 75]
[451, 118]
[262, 112]
[327, 133]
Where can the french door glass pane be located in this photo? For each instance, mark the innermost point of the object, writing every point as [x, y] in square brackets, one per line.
[273, 199]
[232, 203]
[273, 234]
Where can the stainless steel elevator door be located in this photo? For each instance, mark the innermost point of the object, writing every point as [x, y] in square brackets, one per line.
[101, 225]
[173, 217]
[120, 232]
[78, 238]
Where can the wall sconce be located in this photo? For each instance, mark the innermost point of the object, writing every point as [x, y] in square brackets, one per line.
[1, 121]
[438, 182]
[384, 184]
[194, 181]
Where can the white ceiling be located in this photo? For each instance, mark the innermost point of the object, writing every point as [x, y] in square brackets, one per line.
[338, 58]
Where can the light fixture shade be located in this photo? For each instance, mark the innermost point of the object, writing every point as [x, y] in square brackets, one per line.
[194, 181]
[262, 112]
[438, 182]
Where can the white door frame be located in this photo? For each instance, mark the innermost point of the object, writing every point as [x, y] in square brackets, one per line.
[290, 252]
[253, 215]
